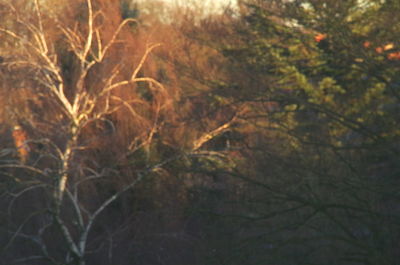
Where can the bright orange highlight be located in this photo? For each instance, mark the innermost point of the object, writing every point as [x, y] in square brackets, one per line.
[366, 44]
[394, 56]
[20, 137]
[319, 37]
[388, 47]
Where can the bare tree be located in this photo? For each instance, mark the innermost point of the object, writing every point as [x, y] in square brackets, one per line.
[77, 102]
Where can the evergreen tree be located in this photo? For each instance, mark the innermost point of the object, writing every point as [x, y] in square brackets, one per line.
[323, 75]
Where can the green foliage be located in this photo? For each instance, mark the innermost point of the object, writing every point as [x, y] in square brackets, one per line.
[332, 114]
